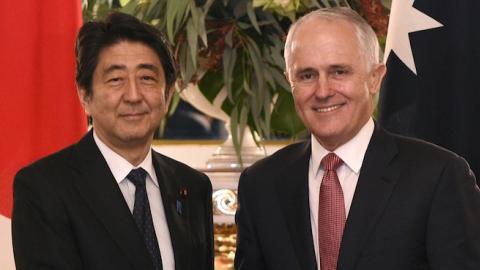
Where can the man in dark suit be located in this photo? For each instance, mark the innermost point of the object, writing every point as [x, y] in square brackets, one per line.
[354, 196]
[110, 201]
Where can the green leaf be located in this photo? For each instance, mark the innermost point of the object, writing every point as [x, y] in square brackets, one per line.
[252, 16]
[267, 108]
[240, 9]
[255, 108]
[227, 107]
[196, 14]
[102, 11]
[130, 7]
[207, 5]
[247, 88]
[268, 76]
[227, 75]
[211, 84]
[186, 65]
[174, 103]
[276, 53]
[198, 20]
[279, 78]
[255, 57]
[176, 12]
[151, 5]
[387, 3]
[229, 59]
[202, 31]
[242, 123]
[284, 117]
[229, 39]
[238, 76]
[255, 111]
[192, 42]
[235, 134]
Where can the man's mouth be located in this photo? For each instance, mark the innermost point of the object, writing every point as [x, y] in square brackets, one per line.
[328, 109]
[133, 115]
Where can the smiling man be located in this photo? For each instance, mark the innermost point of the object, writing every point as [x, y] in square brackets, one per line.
[354, 196]
[110, 201]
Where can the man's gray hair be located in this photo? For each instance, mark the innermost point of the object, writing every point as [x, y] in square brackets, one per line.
[366, 36]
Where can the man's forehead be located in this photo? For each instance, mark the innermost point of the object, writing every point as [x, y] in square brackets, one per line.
[324, 26]
[318, 22]
[128, 56]
[126, 51]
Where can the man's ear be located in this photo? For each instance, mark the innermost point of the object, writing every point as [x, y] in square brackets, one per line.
[84, 99]
[285, 73]
[287, 76]
[376, 77]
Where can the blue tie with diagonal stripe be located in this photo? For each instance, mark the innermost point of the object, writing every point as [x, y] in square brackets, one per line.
[143, 216]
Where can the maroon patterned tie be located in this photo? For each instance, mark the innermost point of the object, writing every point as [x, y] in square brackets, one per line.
[331, 214]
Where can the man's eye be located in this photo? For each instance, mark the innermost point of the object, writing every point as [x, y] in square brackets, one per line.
[148, 79]
[306, 76]
[340, 72]
[114, 80]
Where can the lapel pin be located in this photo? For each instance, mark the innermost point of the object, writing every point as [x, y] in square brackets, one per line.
[183, 193]
[179, 207]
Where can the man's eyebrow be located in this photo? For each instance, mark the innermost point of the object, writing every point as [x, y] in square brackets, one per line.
[305, 70]
[337, 66]
[114, 67]
[151, 67]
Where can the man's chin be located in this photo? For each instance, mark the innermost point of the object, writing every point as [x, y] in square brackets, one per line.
[135, 137]
[330, 140]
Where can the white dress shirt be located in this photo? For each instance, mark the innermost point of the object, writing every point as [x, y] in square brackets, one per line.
[352, 154]
[120, 168]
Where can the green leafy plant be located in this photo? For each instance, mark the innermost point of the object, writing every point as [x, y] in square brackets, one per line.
[229, 45]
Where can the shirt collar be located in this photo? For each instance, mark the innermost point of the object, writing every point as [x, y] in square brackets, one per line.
[352, 152]
[119, 166]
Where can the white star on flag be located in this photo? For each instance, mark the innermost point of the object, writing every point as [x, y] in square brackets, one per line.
[405, 19]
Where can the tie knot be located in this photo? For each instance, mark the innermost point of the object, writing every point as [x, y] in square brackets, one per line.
[137, 177]
[331, 162]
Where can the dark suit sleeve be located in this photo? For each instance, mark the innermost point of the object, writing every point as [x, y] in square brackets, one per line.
[453, 232]
[41, 237]
[248, 255]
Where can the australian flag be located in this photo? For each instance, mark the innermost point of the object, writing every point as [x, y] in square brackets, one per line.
[432, 87]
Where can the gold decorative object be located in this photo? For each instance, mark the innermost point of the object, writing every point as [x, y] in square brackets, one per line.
[225, 246]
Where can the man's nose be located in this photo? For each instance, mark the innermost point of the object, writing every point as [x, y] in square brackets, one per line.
[323, 88]
[133, 92]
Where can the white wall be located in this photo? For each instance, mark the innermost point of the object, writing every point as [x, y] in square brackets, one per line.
[196, 155]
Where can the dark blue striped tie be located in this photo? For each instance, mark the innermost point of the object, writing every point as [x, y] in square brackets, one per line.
[143, 216]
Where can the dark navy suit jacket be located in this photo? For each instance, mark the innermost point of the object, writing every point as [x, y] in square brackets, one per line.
[416, 207]
[69, 213]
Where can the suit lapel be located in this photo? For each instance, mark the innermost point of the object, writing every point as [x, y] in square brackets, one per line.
[375, 185]
[292, 187]
[176, 211]
[98, 187]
